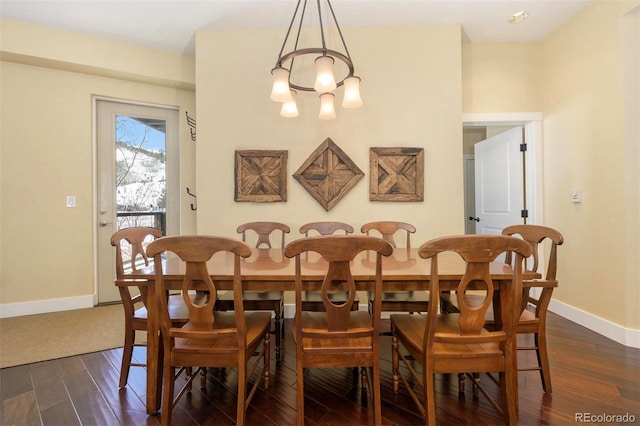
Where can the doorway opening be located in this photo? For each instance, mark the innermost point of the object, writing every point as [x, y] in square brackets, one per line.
[478, 127]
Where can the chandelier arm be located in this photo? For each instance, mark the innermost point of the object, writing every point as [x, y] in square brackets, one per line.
[344, 44]
[324, 45]
[295, 46]
[286, 37]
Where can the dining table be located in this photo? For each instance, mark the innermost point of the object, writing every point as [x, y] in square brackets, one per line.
[270, 270]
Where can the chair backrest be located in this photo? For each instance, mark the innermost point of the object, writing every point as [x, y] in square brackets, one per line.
[338, 251]
[534, 235]
[195, 251]
[129, 255]
[326, 228]
[477, 251]
[388, 228]
[263, 229]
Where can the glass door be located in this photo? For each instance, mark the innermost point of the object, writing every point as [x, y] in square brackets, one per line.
[137, 178]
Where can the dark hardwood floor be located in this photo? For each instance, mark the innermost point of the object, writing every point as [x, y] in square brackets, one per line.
[591, 375]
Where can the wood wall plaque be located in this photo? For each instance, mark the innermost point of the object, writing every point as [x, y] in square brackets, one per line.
[396, 174]
[328, 174]
[261, 176]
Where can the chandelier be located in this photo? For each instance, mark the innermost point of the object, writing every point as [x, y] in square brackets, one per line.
[285, 88]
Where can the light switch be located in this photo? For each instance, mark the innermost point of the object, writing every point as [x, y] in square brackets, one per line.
[71, 200]
[576, 196]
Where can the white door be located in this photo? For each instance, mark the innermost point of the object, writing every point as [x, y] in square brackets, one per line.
[137, 178]
[499, 182]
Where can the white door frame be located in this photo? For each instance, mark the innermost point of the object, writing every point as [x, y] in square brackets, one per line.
[532, 122]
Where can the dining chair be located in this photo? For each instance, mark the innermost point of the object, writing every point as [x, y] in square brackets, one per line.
[532, 321]
[397, 301]
[130, 246]
[311, 301]
[326, 228]
[261, 300]
[338, 336]
[535, 321]
[210, 338]
[459, 342]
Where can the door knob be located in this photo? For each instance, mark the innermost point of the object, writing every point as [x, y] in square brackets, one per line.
[103, 223]
[477, 219]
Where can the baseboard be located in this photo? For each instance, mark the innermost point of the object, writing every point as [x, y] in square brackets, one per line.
[45, 306]
[625, 336]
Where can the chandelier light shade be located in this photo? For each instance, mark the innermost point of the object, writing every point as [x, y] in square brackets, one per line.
[289, 108]
[327, 112]
[351, 93]
[280, 91]
[288, 79]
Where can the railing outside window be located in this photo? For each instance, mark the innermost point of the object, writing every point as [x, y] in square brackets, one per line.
[154, 219]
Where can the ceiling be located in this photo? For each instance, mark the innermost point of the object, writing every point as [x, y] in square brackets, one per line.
[171, 25]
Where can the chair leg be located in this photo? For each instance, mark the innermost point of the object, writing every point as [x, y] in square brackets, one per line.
[543, 361]
[267, 359]
[377, 406]
[461, 379]
[279, 331]
[167, 395]
[508, 392]
[429, 396]
[203, 377]
[127, 354]
[242, 392]
[395, 363]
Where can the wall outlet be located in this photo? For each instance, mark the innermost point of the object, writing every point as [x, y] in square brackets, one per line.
[71, 201]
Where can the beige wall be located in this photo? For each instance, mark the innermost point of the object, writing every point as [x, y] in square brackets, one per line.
[584, 148]
[501, 77]
[47, 250]
[411, 89]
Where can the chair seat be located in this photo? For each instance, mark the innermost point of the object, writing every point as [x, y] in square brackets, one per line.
[312, 300]
[412, 327]
[258, 323]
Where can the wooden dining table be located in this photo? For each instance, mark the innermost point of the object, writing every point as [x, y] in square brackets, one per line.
[270, 270]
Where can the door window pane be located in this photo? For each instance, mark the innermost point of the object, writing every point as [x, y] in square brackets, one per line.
[141, 179]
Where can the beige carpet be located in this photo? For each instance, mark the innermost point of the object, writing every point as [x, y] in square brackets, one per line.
[42, 337]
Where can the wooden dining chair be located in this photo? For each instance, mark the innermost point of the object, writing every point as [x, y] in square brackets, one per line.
[397, 301]
[326, 228]
[261, 300]
[459, 342]
[532, 321]
[210, 338]
[338, 336]
[535, 321]
[131, 256]
[311, 301]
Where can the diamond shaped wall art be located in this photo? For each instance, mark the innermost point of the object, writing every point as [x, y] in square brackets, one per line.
[328, 174]
[261, 176]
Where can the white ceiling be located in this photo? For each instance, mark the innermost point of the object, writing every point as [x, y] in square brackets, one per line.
[171, 25]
